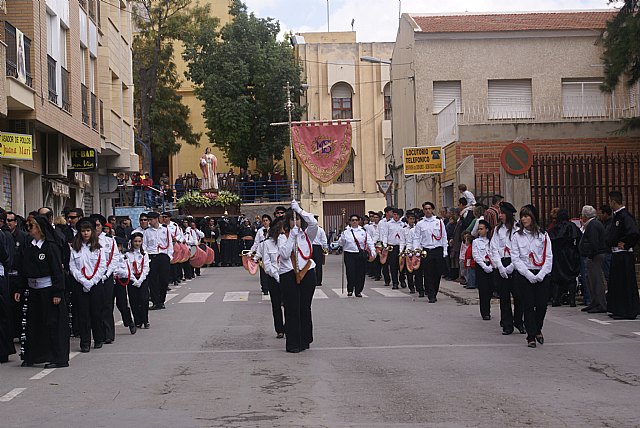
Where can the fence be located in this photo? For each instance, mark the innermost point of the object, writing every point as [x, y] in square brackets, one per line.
[572, 181]
[487, 185]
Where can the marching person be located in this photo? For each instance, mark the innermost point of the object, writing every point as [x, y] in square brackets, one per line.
[88, 266]
[500, 253]
[185, 270]
[212, 233]
[132, 274]
[622, 297]
[484, 268]
[297, 276]
[176, 234]
[431, 236]
[320, 246]
[157, 243]
[382, 232]
[20, 239]
[408, 249]
[532, 258]
[261, 236]
[143, 223]
[358, 248]
[393, 235]
[193, 236]
[374, 269]
[565, 237]
[270, 259]
[47, 326]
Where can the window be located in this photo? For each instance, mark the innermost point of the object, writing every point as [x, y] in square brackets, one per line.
[387, 101]
[92, 74]
[63, 47]
[341, 101]
[510, 99]
[444, 92]
[83, 65]
[347, 173]
[634, 95]
[582, 98]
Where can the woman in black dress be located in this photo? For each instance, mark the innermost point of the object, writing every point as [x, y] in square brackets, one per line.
[42, 279]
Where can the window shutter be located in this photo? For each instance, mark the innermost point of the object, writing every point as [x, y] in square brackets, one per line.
[582, 99]
[444, 92]
[510, 99]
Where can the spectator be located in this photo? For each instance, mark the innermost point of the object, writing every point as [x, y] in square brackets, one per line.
[605, 215]
[493, 213]
[565, 237]
[147, 183]
[464, 193]
[137, 189]
[593, 247]
[179, 186]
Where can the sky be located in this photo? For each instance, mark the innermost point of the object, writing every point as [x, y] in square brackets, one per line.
[377, 20]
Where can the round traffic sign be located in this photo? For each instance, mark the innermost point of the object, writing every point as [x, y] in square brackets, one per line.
[516, 158]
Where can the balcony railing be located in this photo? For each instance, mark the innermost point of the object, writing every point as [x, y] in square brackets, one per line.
[101, 118]
[51, 71]
[94, 111]
[84, 93]
[66, 89]
[12, 55]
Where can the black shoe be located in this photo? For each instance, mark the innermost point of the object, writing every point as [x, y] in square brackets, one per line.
[378, 278]
[318, 285]
[432, 300]
[85, 349]
[521, 329]
[266, 293]
[622, 317]
[596, 310]
[56, 365]
[133, 329]
[25, 364]
[540, 338]
[175, 283]
[154, 308]
[531, 343]
[555, 304]
[168, 289]
[280, 336]
[97, 345]
[387, 285]
[421, 294]
[358, 295]
[588, 307]
[108, 341]
[486, 317]
[412, 291]
[403, 284]
[349, 294]
[146, 326]
[162, 306]
[395, 287]
[293, 351]
[507, 331]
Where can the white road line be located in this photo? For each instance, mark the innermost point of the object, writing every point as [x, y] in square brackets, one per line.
[196, 298]
[599, 321]
[266, 297]
[342, 295]
[319, 294]
[236, 296]
[12, 394]
[119, 323]
[388, 292]
[73, 354]
[42, 374]
[170, 296]
[636, 332]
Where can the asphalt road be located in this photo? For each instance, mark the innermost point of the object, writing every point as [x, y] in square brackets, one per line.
[376, 362]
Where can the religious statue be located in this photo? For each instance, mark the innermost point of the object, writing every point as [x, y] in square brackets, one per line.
[209, 165]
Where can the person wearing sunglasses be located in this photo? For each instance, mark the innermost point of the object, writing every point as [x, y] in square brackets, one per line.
[358, 248]
[143, 224]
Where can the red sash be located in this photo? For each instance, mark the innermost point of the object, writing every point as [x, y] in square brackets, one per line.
[307, 257]
[437, 238]
[95, 269]
[532, 256]
[124, 284]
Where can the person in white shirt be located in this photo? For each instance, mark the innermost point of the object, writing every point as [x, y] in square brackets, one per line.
[375, 268]
[157, 243]
[358, 249]
[87, 266]
[194, 236]
[464, 193]
[382, 231]
[533, 259]
[394, 236]
[298, 283]
[256, 249]
[484, 268]
[132, 274]
[431, 236]
[407, 248]
[320, 245]
[271, 262]
[175, 232]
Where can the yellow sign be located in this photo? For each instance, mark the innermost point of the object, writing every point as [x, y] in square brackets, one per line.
[423, 160]
[16, 146]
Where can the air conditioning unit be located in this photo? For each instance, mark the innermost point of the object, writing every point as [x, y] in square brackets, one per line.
[58, 156]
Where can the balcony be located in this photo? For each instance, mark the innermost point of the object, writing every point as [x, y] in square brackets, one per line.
[51, 71]
[66, 89]
[84, 93]
[94, 111]
[20, 96]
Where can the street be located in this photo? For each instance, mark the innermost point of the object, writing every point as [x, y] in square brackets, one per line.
[211, 359]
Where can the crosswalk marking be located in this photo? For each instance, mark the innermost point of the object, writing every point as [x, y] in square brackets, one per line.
[388, 292]
[342, 295]
[236, 296]
[196, 298]
[319, 294]
[599, 321]
[170, 296]
[12, 394]
[636, 332]
[41, 374]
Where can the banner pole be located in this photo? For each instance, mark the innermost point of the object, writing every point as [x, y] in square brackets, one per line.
[289, 108]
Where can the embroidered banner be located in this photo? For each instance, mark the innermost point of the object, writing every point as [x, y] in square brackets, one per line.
[323, 149]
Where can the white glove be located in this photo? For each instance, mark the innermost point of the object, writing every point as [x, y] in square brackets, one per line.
[294, 232]
[277, 278]
[295, 206]
[487, 269]
[530, 277]
[503, 272]
[539, 278]
[510, 269]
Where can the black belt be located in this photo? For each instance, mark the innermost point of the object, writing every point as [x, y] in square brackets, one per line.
[534, 271]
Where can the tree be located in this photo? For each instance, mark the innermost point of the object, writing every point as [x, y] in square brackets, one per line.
[240, 73]
[163, 119]
[621, 57]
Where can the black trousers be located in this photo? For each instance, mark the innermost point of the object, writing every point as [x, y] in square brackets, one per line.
[158, 278]
[534, 300]
[386, 273]
[297, 309]
[47, 328]
[356, 266]
[394, 265]
[175, 276]
[90, 315]
[228, 251]
[264, 281]
[506, 287]
[432, 267]
[139, 298]
[6, 320]
[188, 270]
[318, 258]
[276, 304]
[377, 267]
[122, 303]
[107, 309]
[484, 282]
[622, 295]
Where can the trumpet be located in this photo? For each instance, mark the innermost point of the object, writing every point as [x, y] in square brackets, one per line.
[389, 248]
[424, 254]
[325, 251]
[247, 253]
[379, 245]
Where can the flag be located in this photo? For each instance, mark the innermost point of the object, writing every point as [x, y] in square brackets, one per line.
[323, 149]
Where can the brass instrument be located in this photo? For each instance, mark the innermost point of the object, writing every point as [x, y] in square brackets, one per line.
[325, 251]
[424, 254]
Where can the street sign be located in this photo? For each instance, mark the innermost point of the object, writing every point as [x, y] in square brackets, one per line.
[516, 158]
[83, 160]
[423, 160]
[384, 186]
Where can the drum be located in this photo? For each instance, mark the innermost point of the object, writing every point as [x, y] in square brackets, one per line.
[383, 256]
[198, 258]
[185, 253]
[401, 259]
[177, 254]
[211, 256]
[192, 251]
[252, 265]
[408, 263]
[416, 262]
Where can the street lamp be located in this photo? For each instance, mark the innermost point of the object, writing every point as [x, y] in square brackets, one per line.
[375, 60]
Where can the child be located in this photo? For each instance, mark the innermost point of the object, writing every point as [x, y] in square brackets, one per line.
[484, 268]
[132, 272]
[461, 257]
[469, 263]
[464, 193]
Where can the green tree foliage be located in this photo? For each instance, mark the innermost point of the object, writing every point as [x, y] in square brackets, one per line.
[240, 73]
[621, 57]
[163, 119]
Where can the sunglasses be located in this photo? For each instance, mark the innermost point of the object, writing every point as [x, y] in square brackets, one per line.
[11, 220]
[355, 219]
[72, 217]
[144, 219]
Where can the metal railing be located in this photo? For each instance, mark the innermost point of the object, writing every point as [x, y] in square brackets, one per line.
[101, 118]
[84, 94]
[12, 54]
[94, 111]
[66, 89]
[52, 78]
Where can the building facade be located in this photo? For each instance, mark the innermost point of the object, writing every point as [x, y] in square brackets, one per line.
[339, 85]
[473, 83]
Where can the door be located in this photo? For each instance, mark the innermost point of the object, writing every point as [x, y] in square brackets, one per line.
[334, 222]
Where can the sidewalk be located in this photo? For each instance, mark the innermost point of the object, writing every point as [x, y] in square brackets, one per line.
[460, 294]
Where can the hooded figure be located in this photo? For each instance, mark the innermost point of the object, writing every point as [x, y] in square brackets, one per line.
[565, 237]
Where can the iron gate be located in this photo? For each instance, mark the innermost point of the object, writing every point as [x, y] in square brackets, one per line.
[333, 220]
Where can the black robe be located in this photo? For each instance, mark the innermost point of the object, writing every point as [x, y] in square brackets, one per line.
[565, 237]
[622, 295]
[6, 321]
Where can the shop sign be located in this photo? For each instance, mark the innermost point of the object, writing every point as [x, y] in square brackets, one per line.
[16, 146]
[83, 179]
[423, 160]
[60, 189]
[84, 160]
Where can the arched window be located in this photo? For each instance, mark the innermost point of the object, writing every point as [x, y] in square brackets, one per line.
[341, 106]
[387, 101]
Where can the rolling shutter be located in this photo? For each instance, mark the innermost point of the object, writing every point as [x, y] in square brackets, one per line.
[509, 99]
[444, 92]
